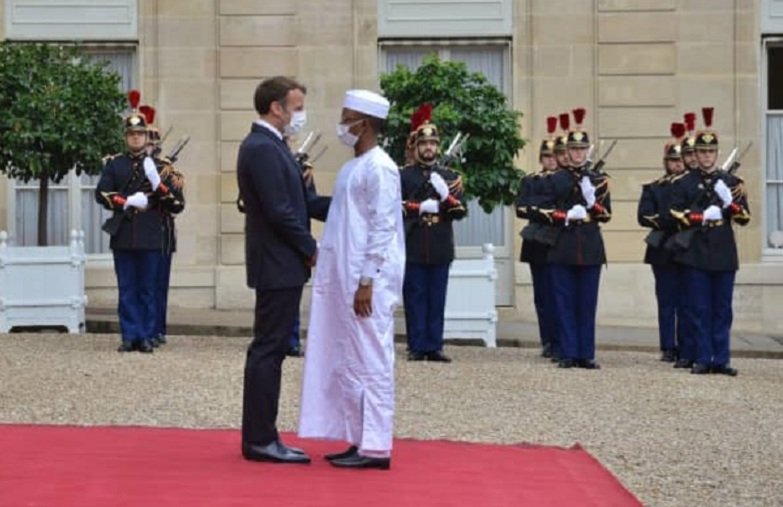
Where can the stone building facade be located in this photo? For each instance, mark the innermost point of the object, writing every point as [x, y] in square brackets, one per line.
[636, 65]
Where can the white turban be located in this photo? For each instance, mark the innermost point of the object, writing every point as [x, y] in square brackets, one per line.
[367, 102]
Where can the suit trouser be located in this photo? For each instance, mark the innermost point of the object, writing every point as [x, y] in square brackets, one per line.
[164, 280]
[669, 288]
[576, 300]
[275, 315]
[710, 296]
[543, 298]
[137, 271]
[424, 296]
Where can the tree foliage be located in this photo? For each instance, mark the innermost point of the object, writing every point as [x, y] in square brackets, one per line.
[463, 102]
[61, 110]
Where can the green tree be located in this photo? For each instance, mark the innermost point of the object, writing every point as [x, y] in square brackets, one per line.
[59, 110]
[463, 102]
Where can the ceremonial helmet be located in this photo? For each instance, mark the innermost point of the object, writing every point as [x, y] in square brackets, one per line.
[135, 121]
[548, 144]
[689, 140]
[422, 129]
[560, 141]
[149, 116]
[578, 138]
[673, 149]
[707, 139]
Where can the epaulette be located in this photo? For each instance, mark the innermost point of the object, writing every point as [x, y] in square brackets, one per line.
[679, 177]
[107, 158]
[165, 161]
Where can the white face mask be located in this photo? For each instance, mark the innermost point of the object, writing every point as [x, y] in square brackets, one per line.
[345, 136]
[298, 120]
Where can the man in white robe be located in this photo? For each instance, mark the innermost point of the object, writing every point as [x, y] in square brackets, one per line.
[348, 385]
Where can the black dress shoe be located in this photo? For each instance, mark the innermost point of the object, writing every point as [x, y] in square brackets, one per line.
[154, 342]
[359, 461]
[145, 346]
[683, 363]
[438, 356]
[127, 346]
[700, 369]
[416, 356]
[669, 356]
[274, 452]
[350, 452]
[294, 352]
[161, 339]
[546, 351]
[566, 363]
[587, 364]
[725, 370]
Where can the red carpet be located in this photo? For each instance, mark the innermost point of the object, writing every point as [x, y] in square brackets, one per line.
[65, 466]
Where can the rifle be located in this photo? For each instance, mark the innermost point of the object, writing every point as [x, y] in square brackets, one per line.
[174, 153]
[736, 164]
[602, 160]
[455, 151]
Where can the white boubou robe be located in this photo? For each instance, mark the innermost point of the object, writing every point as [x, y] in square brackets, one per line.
[348, 384]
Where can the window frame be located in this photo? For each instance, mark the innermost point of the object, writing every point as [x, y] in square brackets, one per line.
[72, 182]
[445, 46]
[768, 253]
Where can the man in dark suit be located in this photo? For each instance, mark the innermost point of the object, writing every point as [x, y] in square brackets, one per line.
[279, 254]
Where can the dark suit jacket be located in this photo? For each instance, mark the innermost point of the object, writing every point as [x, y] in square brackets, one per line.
[277, 227]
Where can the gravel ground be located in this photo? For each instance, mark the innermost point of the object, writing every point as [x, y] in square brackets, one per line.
[672, 438]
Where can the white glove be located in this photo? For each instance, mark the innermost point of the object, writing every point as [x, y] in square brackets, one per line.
[429, 206]
[724, 193]
[712, 214]
[588, 191]
[137, 200]
[577, 212]
[440, 186]
[151, 172]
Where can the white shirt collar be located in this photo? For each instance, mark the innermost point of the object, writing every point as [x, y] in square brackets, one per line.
[270, 127]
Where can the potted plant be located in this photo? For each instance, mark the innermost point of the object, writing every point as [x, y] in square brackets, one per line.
[61, 113]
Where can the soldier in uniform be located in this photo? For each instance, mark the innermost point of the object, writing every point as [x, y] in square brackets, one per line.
[536, 240]
[577, 200]
[688, 151]
[429, 208]
[706, 202]
[132, 187]
[167, 170]
[653, 212]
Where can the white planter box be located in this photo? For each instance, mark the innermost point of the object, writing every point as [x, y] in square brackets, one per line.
[470, 299]
[42, 286]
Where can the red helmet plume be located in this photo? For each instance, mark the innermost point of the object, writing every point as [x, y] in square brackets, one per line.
[579, 115]
[690, 121]
[421, 116]
[706, 113]
[565, 122]
[134, 97]
[551, 125]
[677, 130]
[149, 113]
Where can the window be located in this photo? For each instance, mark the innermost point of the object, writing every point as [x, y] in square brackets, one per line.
[71, 201]
[774, 146]
[491, 60]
